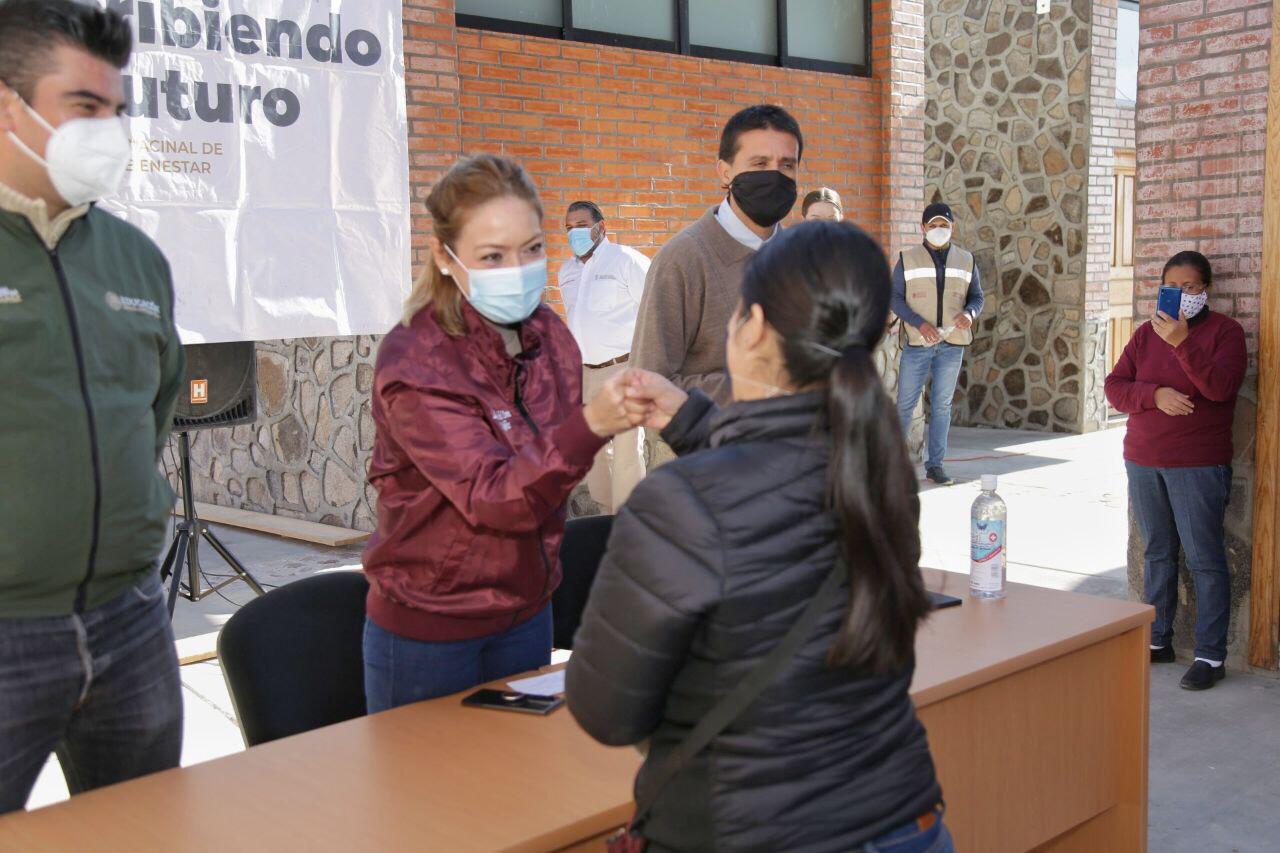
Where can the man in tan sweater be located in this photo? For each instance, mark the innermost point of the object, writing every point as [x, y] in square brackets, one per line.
[695, 281]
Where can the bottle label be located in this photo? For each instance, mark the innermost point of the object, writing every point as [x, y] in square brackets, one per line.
[986, 556]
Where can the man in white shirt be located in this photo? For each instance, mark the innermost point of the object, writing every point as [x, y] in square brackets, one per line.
[601, 286]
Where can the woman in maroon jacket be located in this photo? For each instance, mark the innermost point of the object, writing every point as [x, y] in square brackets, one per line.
[1177, 380]
[481, 435]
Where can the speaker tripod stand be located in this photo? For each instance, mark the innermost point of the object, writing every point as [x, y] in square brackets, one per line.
[185, 550]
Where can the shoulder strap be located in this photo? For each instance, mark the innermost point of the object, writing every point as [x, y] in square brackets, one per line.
[728, 709]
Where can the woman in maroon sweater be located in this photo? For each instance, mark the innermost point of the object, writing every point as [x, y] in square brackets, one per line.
[481, 435]
[1177, 380]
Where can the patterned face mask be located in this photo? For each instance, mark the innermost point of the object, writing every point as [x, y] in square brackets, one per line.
[1193, 305]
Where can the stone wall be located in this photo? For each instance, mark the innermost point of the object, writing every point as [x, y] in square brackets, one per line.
[308, 454]
[1007, 139]
[1201, 138]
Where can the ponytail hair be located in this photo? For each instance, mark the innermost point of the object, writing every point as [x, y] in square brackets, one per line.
[824, 288]
[471, 182]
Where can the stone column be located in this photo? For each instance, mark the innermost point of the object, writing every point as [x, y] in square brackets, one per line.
[1007, 140]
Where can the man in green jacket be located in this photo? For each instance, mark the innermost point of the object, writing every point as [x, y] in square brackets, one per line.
[89, 377]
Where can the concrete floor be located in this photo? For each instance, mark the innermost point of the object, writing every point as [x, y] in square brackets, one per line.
[1215, 756]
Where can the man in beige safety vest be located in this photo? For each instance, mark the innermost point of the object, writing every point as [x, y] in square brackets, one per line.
[938, 295]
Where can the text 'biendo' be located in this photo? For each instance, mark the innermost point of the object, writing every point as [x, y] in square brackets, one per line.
[170, 24]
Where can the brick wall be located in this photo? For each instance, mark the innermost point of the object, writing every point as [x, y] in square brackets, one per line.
[1124, 125]
[898, 63]
[897, 60]
[1201, 128]
[637, 131]
[432, 92]
[1103, 139]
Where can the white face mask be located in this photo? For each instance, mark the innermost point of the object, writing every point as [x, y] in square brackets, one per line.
[938, 237]
[1193, 305]
[86, 158]
[507, 295]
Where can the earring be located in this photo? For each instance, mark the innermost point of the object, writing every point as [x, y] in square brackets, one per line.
[444, 270]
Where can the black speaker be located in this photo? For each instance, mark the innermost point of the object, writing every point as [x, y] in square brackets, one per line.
[221, 388]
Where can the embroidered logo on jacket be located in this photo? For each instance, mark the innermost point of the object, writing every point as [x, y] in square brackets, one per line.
[503, 419]
[132, 304]
[9, 296]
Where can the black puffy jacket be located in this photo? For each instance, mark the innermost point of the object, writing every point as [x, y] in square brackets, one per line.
[710, 562]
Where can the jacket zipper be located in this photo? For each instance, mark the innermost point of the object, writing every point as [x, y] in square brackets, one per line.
[940, 281]
[542, 543]
[65, 289]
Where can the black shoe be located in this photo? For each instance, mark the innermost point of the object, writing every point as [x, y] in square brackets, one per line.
[938, 476]
[1202, 676]
[1164, 654]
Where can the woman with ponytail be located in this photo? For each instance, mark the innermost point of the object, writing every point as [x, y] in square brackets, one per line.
[790, 522]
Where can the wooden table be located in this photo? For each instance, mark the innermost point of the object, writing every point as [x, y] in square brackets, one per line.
[1036, 708]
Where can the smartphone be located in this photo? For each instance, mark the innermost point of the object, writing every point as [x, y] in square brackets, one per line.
[505, 700]
[1170, 301]
[942, 601]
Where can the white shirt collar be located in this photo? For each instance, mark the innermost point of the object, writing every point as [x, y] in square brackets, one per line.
[738, 229]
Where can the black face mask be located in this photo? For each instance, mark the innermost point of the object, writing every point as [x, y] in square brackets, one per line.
[765, 197]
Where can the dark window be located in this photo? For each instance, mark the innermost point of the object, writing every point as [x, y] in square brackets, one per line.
[820, 35]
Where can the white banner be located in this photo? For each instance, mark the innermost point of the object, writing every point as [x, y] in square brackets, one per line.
[271, 162]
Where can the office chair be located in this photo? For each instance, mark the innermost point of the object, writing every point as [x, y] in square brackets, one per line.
[294, 658]
[580, 554]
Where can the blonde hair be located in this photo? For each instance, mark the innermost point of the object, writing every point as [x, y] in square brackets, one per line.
[471, 182]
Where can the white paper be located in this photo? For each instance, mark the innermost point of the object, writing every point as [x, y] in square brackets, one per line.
[551, 684]
[272, 168]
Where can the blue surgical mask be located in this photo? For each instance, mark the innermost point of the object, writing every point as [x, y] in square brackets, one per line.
[507, 295]
[581, 241]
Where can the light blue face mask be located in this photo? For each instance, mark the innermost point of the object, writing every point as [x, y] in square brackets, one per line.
[507, 295]
[581, 241]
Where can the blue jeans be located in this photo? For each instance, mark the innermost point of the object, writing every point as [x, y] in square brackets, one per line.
[100, 688]
[1185, 507]
[910, 838]
[943, 362]
[398, 671]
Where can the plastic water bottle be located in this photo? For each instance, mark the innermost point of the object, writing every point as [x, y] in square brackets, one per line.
[987, 550]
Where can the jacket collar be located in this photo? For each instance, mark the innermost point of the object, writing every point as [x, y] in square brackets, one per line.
[791, 416]
[49, 230]
[490, 350]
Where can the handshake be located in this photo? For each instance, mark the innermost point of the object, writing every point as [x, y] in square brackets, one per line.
[634, 398]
